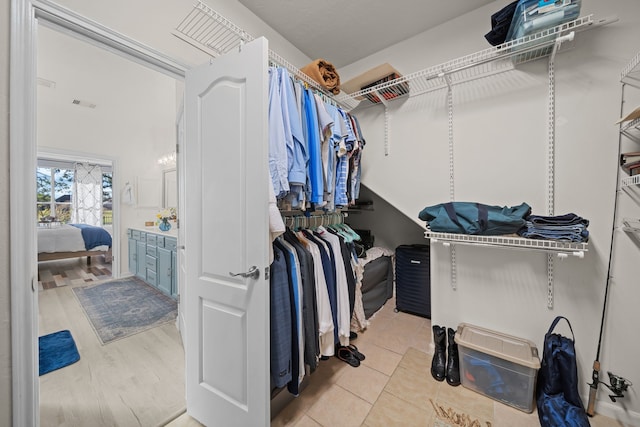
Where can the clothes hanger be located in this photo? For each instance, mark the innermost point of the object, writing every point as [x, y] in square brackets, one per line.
[335, 226]
[351, 232]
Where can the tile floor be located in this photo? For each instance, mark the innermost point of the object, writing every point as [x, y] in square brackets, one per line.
[393, 387]
[73, 271]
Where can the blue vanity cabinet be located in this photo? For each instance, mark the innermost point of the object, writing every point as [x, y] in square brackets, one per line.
[133, 254]
[174, 274]
[152, 257]
[141, 250]
[165, 271]
[171, 245]
[137, 249]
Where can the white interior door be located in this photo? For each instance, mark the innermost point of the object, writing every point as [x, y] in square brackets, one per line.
[226, 231]
[180, 168]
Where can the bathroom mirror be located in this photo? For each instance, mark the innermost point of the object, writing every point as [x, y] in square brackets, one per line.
[169, 188]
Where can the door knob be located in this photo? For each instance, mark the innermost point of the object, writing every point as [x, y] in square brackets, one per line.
[254, 273]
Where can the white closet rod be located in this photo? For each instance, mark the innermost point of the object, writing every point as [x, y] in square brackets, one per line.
[297, 220]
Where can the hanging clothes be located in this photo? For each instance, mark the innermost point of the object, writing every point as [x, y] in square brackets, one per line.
[316, 186]
[342, 291]
[323, 306]
[346, 252]
[297, 154]
[309, 310]
[278, 166]
[280, 321]
[276, 225]
[328, 266]
[297, 364]
[314, 147]
[355, 170]
[317, 270]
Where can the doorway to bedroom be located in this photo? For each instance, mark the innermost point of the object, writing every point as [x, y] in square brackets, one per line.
[98, 108]
[73, 188]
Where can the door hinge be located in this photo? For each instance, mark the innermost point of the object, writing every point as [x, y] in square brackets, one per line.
[266, 273]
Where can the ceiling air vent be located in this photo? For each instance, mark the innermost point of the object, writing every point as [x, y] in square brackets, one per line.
[83, 103]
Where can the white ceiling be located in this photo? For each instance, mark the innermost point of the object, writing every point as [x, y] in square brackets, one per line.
[344, 31]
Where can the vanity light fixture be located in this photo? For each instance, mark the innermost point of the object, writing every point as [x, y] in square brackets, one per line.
[167, 159]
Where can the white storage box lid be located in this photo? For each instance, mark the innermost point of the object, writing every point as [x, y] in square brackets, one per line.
[507, 347]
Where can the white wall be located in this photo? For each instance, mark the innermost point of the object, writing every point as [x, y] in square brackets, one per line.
[133, 122]
[500, 144]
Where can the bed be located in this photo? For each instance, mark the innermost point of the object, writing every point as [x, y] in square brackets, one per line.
[72, 241]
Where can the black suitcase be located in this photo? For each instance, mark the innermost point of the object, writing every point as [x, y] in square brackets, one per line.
[413, 280]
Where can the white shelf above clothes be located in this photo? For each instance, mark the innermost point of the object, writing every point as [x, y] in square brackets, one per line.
[487, 62]
[631, 225]
[630, 181]
[562, 248]
[631, 73]
[632, 130]
[215, 35]
[212, 33]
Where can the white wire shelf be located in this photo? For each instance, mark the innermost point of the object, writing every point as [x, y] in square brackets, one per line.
[562, 248]
[630, 181]
[487, 62]
[632, 130]
[631, 73]
[631, 225]
[215, 35]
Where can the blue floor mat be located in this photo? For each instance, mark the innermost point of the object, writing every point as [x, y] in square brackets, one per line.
[57, 350]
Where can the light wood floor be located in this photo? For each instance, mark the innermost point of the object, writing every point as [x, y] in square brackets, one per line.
[135, 381]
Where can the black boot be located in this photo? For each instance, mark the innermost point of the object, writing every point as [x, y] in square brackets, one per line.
[439, 356]
[453, 367]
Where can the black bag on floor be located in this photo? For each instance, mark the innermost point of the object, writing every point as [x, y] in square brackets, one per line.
[557, 398]
[377, 284]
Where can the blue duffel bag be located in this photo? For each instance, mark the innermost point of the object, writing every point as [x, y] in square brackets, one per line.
[557, 398]
[475, 218]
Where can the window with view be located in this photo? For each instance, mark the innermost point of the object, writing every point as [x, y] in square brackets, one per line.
[54, 190]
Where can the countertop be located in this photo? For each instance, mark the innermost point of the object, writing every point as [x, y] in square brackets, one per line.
[173, 232]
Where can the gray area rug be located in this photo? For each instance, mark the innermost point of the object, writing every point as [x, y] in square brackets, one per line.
[123, 307]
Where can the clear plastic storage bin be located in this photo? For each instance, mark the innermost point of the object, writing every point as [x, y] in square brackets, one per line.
[532, 16]
[497, 365]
